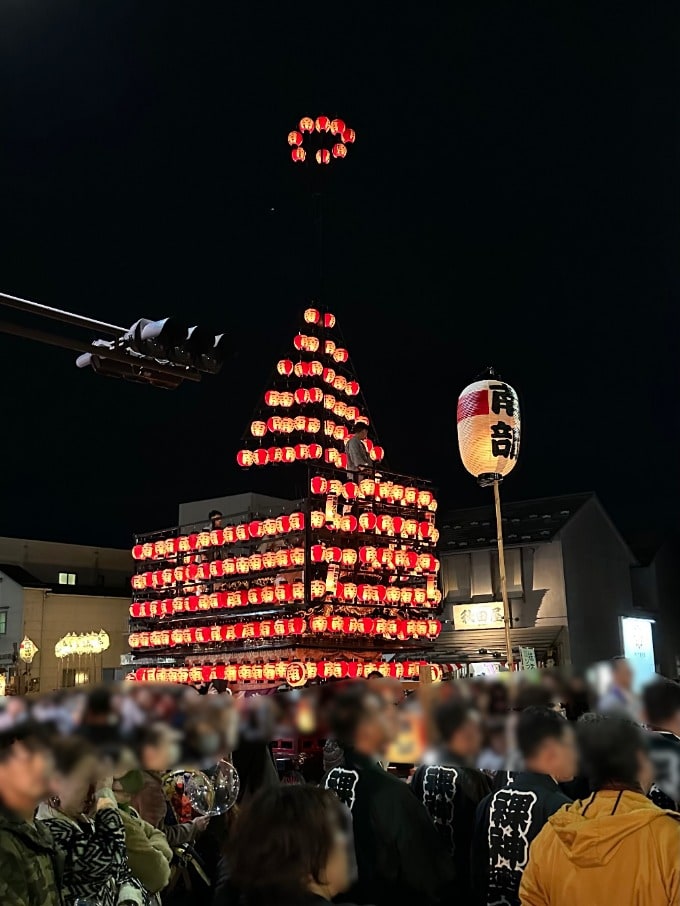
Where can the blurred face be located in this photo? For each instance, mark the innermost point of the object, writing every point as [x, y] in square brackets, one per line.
[336, 876]
[623, 675]
[561, 756]
[25, 778]
[76, 789]
[163, 756]
[373, 733]
[467, 742]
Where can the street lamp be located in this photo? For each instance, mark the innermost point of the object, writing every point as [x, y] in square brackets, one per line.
[488, 439]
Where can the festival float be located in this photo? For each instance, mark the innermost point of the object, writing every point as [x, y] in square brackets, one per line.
[342, 586]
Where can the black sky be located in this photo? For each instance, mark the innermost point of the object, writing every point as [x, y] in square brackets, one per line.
[512, 198]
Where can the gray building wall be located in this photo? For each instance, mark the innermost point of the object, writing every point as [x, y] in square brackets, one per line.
[93, 566]
[234, 506]
[597, 576]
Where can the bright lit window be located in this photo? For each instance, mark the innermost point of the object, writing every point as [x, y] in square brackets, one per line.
[67, 578]
[3, 622]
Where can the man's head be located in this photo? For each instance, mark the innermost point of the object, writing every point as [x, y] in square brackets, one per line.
[361, 431]
[159, 748]
[613, 753]
[622, 673]
[26, 767]
[546, 742]
[662, 705]
[358, 720]
[459, 728]
[215, 519]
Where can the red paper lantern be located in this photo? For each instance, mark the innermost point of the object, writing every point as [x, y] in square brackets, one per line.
[244, 458]
[377, 453]
[319, 485]
[301, 396]
[323, 156]
[299, 341]
[315, 395]
[367, 522]
[302, 451]
[312, 316]
[340, 355]
[298, 155]
[349, 523]
[339, 150]
[337, 127]
[318, 553]
[289, 454]
[272, 398]
[260, 457]
[323, 124]
[352, 388]
[294, 138]
[285, 367]
[306, 124]
[301, 369]
[348, 136]
[328, 320]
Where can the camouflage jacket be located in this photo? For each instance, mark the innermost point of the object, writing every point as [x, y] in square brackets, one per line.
[30, 868]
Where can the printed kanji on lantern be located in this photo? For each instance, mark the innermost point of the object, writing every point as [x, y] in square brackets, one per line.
[488, 428]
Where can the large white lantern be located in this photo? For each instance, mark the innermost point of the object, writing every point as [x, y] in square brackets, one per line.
[488, 429]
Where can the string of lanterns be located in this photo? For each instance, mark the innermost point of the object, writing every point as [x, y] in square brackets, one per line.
[337, 130]
[402, 629]
[387, 491]
[82, 645]
[299, 672]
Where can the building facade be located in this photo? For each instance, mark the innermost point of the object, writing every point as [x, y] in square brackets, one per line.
[49, 590]
[572, 579]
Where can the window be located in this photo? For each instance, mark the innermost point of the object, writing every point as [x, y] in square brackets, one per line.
[3, 622]
[67, 578]
[74, 677]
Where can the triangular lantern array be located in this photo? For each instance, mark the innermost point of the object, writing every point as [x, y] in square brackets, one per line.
[345, 585]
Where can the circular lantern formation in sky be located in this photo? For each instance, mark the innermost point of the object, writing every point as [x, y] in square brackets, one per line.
[325, 139]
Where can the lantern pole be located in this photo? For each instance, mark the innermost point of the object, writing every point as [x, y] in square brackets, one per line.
[501, 570]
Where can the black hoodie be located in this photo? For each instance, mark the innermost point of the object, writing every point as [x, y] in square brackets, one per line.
[506, 823]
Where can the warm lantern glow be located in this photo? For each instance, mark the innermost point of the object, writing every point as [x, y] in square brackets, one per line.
[349, 136]
[298, 155]
[328, 320]
[488, 428]
[244, 458]
[306, 124]
[323, 156]
[339, 150]
[294, 138]
[258, 429]
[337, 127]
[323, 124]
[312, 316]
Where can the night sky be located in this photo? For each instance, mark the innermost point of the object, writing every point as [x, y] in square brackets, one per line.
[511, 199]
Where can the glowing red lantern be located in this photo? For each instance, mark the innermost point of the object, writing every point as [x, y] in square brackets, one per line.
[301, 369]
[286, 399]
[255, 529]
[384, 524]
[349, 591]
[319, 485]
[377, 453]
[317, 519]
[323, 156]
[340, 355]
[349, 556]
[272, 398]
[367, 486]
[337, 127]
[367, 522]
[315, 451]
[298, 155]
[294, 138]
[340, 382]
[339, 150]
[352, 388]
[299, 341]
[244, 458]
[328, 320]
[313, 425]
[302, 451]
[306, 124]
[274, 423]
[301, 396]
[329, 347]
[260, 457]
[315, 394]
[285, 367]
[425, 530]
[349, 523]
[367, 554]
[350, 490]
[289, 454]
[333, 555]
[329, 376]
[323, 124]
[318, 588]
[425, 498]
[137, 552]
[348, 136]
[312, 316]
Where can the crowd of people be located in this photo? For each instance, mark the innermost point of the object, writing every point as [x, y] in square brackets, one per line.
[525, 794]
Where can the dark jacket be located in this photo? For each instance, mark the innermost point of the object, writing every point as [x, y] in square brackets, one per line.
[664, 751]
[451, 792]
[30, 867]
[506, 823]
[400, 857]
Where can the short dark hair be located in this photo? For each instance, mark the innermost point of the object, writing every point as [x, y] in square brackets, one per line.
[214, 513]
[609, 746]
[533, 697]
[31, 735]
[360, 426]
[450, 716]
[347, 710]
[99, 702]
[535, 725]
[69, 751]
[284, 836]
[662, 701]
[374, 674]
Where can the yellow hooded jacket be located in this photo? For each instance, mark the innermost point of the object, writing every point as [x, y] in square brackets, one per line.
[615, 848]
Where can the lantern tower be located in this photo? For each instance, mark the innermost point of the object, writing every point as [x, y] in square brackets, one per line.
[344, 585]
